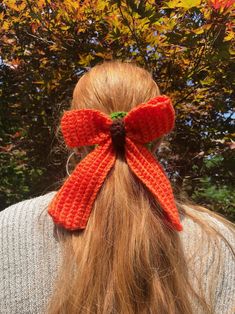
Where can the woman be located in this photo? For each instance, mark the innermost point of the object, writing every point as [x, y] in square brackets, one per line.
[118, 243]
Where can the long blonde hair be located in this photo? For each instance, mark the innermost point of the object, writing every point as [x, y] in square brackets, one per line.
[126, 261]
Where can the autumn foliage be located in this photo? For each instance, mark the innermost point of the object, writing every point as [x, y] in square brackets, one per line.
[188, 45]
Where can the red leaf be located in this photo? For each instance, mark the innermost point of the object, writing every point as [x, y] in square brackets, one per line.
[221, 4]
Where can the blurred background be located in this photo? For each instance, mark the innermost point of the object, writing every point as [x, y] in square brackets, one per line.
[188, 45]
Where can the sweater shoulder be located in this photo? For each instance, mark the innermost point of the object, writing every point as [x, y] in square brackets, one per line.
[27, 210]
[29, 257]
[209, 247]
[193, 226]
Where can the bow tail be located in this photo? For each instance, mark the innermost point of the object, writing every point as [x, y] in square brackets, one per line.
[150, 172]
[72, 204]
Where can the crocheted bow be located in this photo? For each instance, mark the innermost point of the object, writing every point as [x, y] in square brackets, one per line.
[72, 204]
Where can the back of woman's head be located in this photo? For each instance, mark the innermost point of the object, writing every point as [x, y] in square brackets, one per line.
[126, 260]
[114, 86]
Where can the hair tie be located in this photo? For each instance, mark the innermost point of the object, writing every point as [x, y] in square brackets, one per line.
[126, 132]
[118, 134]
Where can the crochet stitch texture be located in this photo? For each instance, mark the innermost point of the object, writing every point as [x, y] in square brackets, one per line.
[71, 206]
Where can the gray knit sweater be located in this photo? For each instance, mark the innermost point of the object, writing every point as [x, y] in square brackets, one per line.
[30, 255]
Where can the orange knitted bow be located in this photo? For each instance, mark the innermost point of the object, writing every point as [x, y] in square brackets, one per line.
[72, 204]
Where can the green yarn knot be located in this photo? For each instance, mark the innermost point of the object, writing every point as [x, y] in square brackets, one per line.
[118, 115]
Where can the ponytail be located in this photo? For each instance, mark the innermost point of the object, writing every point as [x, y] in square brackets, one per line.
[126, 260]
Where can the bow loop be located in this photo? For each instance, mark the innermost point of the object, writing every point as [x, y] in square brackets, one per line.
[85, 127]
[149, 121]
